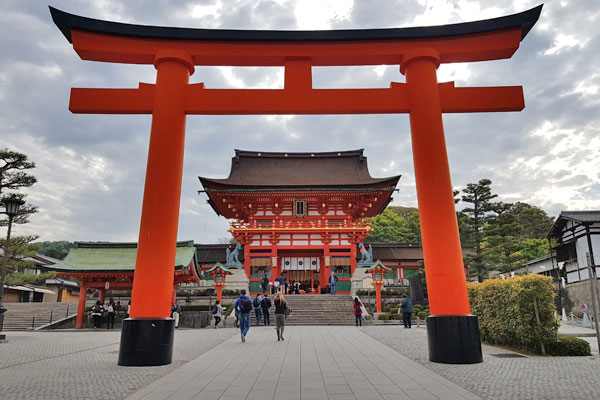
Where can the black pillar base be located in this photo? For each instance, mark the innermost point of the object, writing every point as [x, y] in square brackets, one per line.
[146, 342]
[454, 339]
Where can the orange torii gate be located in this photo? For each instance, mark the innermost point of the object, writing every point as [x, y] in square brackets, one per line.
[147, 337]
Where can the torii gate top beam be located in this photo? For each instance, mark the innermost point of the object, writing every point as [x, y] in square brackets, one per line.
[138, 44]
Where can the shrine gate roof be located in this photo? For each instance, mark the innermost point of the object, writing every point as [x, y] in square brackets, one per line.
[344, 169]
[116, 257]
[67, 22]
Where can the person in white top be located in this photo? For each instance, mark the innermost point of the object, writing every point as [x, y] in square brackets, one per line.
[217, 312]
[276, 284]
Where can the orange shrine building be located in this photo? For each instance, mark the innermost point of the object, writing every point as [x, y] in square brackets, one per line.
[303, 216]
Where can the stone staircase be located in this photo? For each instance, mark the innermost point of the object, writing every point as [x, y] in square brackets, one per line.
[316, 309]
[28, 316]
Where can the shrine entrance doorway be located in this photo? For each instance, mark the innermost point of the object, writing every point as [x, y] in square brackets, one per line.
[305, 268]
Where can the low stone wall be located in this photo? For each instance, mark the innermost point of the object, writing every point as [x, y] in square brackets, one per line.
[195, 319]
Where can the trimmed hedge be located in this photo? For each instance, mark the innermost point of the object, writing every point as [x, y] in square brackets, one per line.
[506, 311]
[569, 346]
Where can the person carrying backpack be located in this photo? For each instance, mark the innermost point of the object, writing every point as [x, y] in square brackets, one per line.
[243, 306]
[257, 308]
[216, 312]
[97, 312]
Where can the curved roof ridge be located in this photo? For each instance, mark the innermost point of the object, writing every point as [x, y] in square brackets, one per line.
[66, 22]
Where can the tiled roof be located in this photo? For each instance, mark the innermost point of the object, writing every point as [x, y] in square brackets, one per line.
[344, 169]
[579, 217]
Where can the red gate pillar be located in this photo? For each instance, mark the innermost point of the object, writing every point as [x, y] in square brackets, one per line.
[153, 279]
[452, 332]
[81, 305]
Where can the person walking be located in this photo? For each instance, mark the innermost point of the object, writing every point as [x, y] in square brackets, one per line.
[332, 281]
[110, 324]
[266, 305]
[276, 284]
[283, 283]
[243, 306]
[97, 312]
[264, 284]
[280, 313]
[357, 305]
[257, 308]
[176, 313]
[217, 312]
[407, 309]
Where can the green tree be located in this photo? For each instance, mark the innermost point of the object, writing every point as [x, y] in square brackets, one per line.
[479, 195]
[58, 249]
[389, 227]
[515, 235]
[13, 177]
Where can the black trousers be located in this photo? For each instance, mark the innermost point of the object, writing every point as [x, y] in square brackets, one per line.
[406, 318]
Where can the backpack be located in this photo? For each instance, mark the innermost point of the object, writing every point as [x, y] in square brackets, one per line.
[256, 302]
[246, 305]
[214, 310]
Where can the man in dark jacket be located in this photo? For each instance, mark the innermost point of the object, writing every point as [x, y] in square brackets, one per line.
[266, 305]
[243, 306]
[407, 309]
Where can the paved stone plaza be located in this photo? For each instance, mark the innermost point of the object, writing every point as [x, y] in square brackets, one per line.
[312, 363]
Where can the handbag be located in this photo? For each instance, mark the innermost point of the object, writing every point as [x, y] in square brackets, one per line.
[288, 311]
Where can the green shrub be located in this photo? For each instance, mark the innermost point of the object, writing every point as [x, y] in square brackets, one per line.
[568, 346]
[394, 310]
[506, 311]
[396, 316]
[418, 307]
[384, 317]
[422, 314]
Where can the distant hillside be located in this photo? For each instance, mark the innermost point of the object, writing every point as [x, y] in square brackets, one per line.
[403, 212]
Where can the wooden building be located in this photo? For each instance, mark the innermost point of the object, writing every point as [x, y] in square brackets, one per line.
[300, 215]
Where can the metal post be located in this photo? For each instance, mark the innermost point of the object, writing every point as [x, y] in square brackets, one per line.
[50, 316]
[33, 322]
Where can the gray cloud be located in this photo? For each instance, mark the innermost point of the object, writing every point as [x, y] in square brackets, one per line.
[91, 167]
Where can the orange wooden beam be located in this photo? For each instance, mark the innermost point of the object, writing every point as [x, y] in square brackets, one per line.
[201, 101]
[133, 50]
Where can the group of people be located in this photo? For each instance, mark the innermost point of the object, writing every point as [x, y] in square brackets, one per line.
[261, 306]
[99, 311]
[295, 286]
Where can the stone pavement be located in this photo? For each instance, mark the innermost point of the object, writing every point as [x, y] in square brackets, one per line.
[501, 376]
[65, 365]
[314, 362]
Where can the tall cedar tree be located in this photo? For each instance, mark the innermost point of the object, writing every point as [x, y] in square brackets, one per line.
[479, 195]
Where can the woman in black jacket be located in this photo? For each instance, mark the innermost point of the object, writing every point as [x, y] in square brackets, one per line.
[280, 313]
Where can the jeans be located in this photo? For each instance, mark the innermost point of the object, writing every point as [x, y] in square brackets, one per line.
[358, 319]
[244, 323]
[266, 317]
[258, 315]
[280, 318]
[406, 318]
[333, 289]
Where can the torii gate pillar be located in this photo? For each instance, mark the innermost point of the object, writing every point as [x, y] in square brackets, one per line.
[441, 247]
[147, 337]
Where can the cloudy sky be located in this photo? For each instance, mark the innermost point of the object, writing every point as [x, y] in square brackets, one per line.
[91, 167]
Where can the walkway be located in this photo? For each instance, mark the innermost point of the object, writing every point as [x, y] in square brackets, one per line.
[316, 362]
